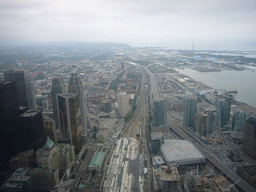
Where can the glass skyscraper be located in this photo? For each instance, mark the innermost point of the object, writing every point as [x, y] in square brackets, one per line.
[160, 112]
[222, 113]
[190, 109]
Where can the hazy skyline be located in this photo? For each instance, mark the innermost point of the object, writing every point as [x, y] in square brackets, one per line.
[209, 24]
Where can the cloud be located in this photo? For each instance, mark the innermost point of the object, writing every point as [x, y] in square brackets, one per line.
[127, 21]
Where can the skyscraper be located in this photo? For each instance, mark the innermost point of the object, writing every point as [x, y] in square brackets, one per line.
[249, 140]
[210, 114]
[201, 122]
[9, 114]
[238, 121]
[222, 113]
[76, 87]
[123, 103]
[56, 88]
[32, 135]
[70, 118]
[190, 109]
[160, 112]
[24, 87]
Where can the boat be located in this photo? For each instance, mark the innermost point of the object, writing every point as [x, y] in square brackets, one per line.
[232, 91]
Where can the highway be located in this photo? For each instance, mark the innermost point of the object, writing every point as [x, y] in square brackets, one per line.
[222, 166]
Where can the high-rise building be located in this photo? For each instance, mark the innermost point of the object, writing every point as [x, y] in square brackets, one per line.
[249, 140]
[76, 87]
[222, 113]
[160, 112]
[25, 89]
[48, 155]
[56, 88]
[190, 109]
[32, 135]
[50, 128]
[70, 118]
[9, 114]
[210, 114]
[238, 121]
[201, 122]
[123, 103]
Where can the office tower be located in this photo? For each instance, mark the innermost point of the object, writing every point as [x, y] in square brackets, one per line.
[249, 140]
[23, 159]
[157, 139]
[48, 155]
[50, 128]
[9, 114]
[32, 135]
[70, 118]
[44, 179]
[160, 112]
[190, 109]
[201, 123]
[45, 106]
[238, 121]
[76, 87]
[210, 114]
[19, 181]
[123, 103]
[222, 113]
[56, 88]
[24, 87]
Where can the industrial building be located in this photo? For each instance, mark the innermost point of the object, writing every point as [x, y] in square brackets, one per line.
[182, 153]
[125, 172]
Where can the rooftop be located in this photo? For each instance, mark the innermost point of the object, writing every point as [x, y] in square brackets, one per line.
[97, 159]
[181, 152]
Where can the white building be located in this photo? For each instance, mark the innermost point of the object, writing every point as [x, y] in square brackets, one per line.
[123, 103]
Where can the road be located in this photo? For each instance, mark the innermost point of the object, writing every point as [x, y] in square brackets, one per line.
[205, 150]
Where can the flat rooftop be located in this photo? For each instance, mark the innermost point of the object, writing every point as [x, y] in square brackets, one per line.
[181, 152]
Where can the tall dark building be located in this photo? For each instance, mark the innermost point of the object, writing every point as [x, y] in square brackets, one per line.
[190, 109]
[70, 118]
[75, 86]
[160, 112]
[9, 114]
[249, 140]
[24, 87]
[57, 88]
[32, 134]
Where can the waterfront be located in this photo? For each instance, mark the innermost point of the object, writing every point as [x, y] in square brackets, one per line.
[242, 81]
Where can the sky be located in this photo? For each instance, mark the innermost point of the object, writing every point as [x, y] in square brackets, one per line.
[176, 24]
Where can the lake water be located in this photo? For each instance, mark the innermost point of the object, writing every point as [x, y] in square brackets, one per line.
[242, 81]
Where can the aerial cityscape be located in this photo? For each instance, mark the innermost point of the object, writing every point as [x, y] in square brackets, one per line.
[109, 117]
[128, 96]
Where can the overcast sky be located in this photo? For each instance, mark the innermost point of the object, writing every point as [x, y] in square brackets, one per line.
[209, 24]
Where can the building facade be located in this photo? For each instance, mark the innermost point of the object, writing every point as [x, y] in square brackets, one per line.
[75, 86]
[201, 122]
[57, 88]
[70, 118]
[24, 87]
[160, 112]
[222, 113]
[249, 140]
[190, 109]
